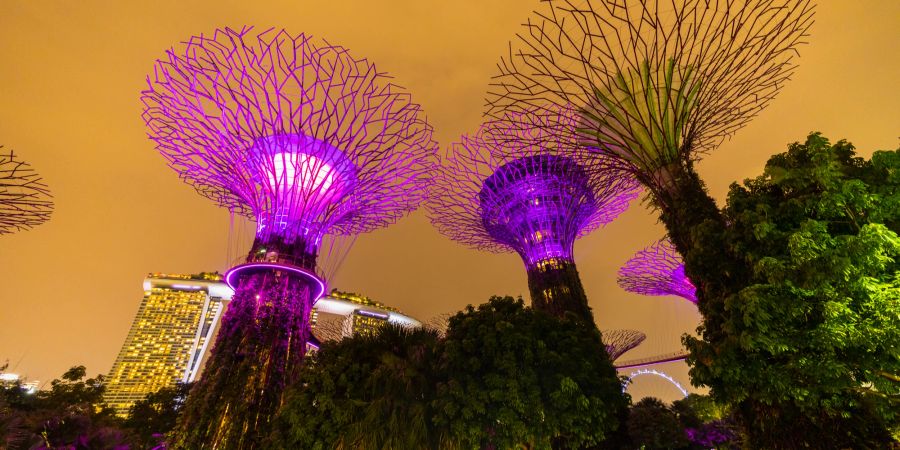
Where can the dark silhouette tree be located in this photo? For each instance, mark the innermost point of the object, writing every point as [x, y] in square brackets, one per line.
[515, 377]
[365, 392]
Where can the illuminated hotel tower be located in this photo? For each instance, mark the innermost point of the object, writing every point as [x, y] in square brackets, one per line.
[168, 338]
[359, 315]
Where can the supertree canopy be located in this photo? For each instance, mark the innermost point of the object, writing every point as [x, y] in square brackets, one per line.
[532, 191]
[618, 342]
[657, 82]
[307, 141]
[657, 270]
[24, 199]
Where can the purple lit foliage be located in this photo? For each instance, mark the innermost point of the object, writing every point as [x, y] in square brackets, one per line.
[24, 198]
[657, 270]
[290, 131]
[618, 342]
[721, 433]
[269, 351]
[517, 187]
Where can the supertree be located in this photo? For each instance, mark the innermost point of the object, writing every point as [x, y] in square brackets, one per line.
[658, 84]
[529, 190]
[307, 141]
[657, 270]
[24, 198]
[618, 342]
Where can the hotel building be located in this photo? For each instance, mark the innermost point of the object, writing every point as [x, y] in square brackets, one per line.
[170, 334]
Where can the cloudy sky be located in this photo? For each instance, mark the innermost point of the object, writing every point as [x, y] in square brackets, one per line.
[69, 104]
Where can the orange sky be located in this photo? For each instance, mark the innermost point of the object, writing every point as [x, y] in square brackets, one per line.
[69, 104]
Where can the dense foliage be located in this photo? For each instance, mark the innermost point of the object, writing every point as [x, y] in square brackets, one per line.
[71, 416]
[68, 415]
[366, 392]
[504, 376]
[807, 337]
[653, 425]
[151, 418]
[513, 376]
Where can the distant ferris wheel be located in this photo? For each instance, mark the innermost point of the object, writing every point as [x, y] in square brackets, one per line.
[663, 375]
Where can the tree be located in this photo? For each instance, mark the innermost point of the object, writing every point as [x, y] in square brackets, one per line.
[707, 423]
[153, 417]
[365, 392]
[69, 415]
[512, 377]
[808, 342]
[653, 425]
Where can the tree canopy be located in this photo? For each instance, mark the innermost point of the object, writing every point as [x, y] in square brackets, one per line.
[811, 340]
[513, 376]
[504, 376]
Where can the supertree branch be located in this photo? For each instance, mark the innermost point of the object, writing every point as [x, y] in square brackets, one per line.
[618, 342]
[657, 270]
[658, 83]
[24, 198]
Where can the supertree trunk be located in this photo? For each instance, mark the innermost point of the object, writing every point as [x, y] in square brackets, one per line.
[685, 208]
[256, 355]
[557, 289]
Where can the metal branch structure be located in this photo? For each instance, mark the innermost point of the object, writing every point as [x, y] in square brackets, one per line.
[618, 342]
[24, 198]
[306, 140]
[530, 190]
[657, 270]
[658, 83]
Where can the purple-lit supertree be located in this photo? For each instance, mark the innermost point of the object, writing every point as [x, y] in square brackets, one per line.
[529, 190]
[618, 342]
[657, 270]
[24, 199]
[306, 140]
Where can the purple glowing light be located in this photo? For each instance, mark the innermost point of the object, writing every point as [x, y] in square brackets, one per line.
[520, 185]
[292, 132]
[373, 314]
[232, 276]
[657, 270]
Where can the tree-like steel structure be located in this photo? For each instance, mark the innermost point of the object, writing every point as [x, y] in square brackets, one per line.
[24, 198]
[658, 83]
[307, 141]
[530, 190]
[657, 270]
[618, 342]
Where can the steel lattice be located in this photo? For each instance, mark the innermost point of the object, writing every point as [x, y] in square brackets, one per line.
[24, 198]
[618, 342]
[657, 83]
[657, 270]
[530, 190]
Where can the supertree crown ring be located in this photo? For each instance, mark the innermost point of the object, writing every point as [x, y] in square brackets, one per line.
[292, 132]
[657, 270]
[657, 83]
